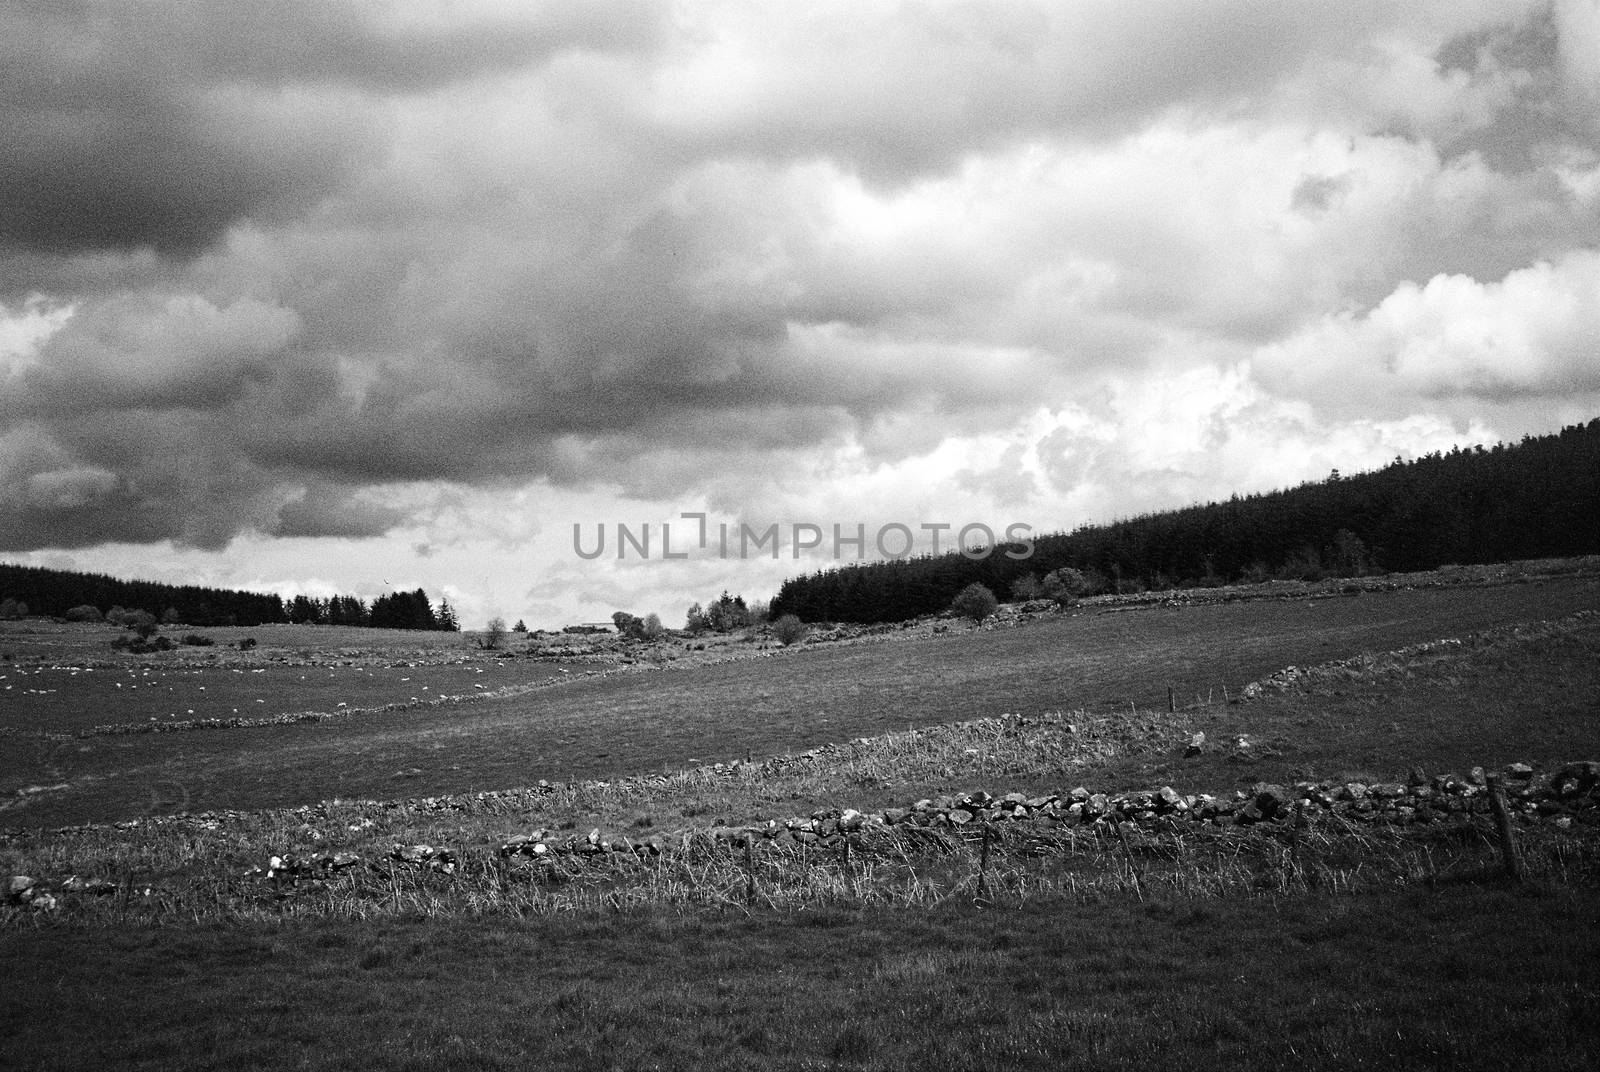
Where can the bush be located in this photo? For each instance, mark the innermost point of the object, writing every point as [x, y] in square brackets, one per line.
[1064, 585]
[197, 641]
[494, 634]
[652, 629]
[975, 602]
[141, 622]
[12, 609]
[247, 643]
[727, 614]
[1026, 587]
[789, 630]
[84, 613]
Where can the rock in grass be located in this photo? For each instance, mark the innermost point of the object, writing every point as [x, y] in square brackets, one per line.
[1520, 772]
[1250, 814]
[1196, 745]
[1575, 779]
[19, 886]
[1270, 799]
[412, 854]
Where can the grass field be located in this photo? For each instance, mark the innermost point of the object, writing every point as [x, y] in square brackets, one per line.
[609, 726]
[1472, 978]
[1369, 948]
[66, 698]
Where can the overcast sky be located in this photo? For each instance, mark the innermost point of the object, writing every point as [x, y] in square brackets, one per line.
[343, 297]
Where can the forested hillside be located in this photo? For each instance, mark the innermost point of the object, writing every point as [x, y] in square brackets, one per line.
[1534, 499]
[54, 592]
[33, 590]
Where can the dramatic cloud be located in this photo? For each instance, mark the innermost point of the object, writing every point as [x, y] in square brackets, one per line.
[440, 280]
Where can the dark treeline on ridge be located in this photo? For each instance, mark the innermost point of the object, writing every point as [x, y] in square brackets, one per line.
[53, 593]
[1539, 498]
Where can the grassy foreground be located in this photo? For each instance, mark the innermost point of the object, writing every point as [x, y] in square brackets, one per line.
[1470, 977]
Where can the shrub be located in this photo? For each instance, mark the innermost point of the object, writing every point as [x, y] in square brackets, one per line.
[197, 641]
[789, 630]
[170, 616]
[520, 627]
[84, 613]
[141, 622]
[727, 614]
[1064, 585]
[696, 622]
[494, 634]
[247, 643]
[652, 629]
[1026, 587]
[12, 609]
[975, 601]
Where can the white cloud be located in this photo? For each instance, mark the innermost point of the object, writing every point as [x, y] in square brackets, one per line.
[1456, 345]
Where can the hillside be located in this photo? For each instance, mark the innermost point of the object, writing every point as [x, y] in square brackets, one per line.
[1534, 499]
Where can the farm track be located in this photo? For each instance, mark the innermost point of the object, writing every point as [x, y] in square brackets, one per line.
[608, 726]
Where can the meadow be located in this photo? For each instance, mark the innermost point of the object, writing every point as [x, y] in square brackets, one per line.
[665, 715]
[1337, 946]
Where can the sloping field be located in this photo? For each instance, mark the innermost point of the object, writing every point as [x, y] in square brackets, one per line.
[608, 726]
[71, 698]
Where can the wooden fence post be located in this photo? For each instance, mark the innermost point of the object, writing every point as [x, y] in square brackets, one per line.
[1502, 823]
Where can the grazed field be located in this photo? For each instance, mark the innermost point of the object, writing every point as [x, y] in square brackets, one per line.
[614, 725]
[1217, 957]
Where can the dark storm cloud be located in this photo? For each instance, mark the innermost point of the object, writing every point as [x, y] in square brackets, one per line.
[160, 124]
[330, 511]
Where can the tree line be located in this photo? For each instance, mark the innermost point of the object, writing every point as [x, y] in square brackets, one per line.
[35, 590]
[1539, 498]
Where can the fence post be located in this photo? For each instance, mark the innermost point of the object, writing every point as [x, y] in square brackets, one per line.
[1502, 823]
[1172, 701]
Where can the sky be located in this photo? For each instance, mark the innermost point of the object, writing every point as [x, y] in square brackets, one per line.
[332, 297]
